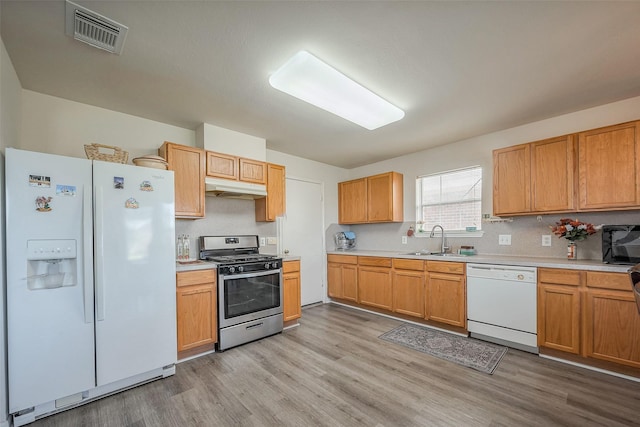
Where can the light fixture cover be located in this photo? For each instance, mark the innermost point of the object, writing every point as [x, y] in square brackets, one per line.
[311, 80]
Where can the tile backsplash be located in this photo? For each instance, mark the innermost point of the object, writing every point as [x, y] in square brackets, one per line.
[225, 216]
[526, 236]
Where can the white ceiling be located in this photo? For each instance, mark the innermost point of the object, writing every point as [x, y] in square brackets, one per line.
[458, 69]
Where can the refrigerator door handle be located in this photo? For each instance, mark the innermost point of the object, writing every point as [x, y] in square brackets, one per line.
[87, 267]
[99, 254]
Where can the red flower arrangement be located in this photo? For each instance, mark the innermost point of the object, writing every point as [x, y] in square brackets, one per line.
[573, 230]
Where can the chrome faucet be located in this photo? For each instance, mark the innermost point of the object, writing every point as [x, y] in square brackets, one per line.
[443, 248]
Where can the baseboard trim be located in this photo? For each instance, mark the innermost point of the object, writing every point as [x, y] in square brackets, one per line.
[399, 319]
[591, 368]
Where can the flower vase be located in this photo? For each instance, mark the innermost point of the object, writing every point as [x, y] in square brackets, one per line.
[572, 251]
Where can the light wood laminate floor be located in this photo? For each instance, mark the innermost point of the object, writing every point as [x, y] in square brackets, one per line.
[334, 371]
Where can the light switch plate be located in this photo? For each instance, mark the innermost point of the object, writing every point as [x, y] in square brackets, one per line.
[263, 241]
[404, 240]
[546, 240]
[504, 239]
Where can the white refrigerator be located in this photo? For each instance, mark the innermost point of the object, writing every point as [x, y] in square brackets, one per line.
[90, 279]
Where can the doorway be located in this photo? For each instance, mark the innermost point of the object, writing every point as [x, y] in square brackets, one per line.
[303, 235]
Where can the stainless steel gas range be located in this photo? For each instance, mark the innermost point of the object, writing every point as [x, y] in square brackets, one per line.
[249, 289]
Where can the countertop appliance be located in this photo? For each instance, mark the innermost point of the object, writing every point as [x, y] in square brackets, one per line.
[345, 240]
[249, 289]
[621, 244]
[501, 305]
[90, 280]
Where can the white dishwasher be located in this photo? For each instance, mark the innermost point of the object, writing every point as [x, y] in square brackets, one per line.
[501, 305]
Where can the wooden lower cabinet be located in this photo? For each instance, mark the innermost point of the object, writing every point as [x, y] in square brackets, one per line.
[375, 282]
[559, 317]
[612, 327]
[591, 314]
[291, 290]
[342, 277]
[446, 299]
[196, 309]
[408, 287]
[446, 293]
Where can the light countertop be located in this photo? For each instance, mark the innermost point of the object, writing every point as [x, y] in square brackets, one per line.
[522, 261]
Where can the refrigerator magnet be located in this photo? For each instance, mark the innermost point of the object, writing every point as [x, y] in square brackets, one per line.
[39, 181]
[131, 203]
[146, 186]
[118, 182]
[42, 204]
[65, 190]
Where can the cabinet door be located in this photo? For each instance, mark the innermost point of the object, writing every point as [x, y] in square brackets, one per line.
[511, 180]
[552, 174]
[447, 299]
[559, 317]
[222, 165]
[291, 296]
[188, 165]
[350, 282]
[196, 312]
[272, 206]
[374, 287]
[408, 293]
[334, 280]
[384, 198]
[253, 171]
[608, 167]
[612, 327]
[352, 201]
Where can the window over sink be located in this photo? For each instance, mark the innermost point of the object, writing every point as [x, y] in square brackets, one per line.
[452, 199]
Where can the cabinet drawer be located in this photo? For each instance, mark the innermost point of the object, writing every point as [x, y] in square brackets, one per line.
[196, 277]
[290, 266]
[408, 264]
[374, 261]
[559, 276]
[342, 259]
[618, 281]
[445, 267]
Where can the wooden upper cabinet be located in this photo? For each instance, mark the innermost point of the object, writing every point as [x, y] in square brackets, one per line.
[188, 165]
[512, 180]
[222, 165]
[226, 166]
[352, 201]
[377, 198]
[384, 197]
[537, 177]
[252, 171]
[609, 167]
[274, 205]
[552, 174]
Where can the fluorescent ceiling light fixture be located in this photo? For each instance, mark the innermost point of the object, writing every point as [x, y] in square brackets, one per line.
[311, 80]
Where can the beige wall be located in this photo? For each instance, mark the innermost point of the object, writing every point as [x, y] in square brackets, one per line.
[58, 126]
[478, 150]
[526, 231]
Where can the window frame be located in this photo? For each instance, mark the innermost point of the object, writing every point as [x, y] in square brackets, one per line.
[478, 232]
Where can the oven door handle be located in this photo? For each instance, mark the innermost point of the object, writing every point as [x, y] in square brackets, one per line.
[252, 274]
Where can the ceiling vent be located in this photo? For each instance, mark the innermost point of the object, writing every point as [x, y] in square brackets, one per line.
[94, 29]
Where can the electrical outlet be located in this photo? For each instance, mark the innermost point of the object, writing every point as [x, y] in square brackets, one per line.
[272, 241]
[263, 241]
[504, 239]
[546, 240]
[404, 240]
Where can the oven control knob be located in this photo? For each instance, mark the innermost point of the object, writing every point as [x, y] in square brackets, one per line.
[266, 265]
[274, 265]
[240, 269]
[232, 269]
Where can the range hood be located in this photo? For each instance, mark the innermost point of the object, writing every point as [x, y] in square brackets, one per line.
[215, 187]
